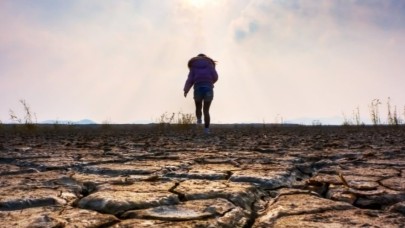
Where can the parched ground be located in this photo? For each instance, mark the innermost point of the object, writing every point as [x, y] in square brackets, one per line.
[172, 176]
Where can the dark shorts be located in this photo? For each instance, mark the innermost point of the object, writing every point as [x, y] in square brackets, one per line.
[203, 93]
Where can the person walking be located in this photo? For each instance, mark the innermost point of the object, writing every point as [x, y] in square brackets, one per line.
[202, 76]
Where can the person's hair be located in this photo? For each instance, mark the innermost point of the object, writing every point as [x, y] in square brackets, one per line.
[203, 56]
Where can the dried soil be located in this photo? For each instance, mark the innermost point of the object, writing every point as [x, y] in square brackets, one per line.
[175, 176]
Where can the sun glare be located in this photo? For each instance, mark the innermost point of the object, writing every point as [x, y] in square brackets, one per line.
[199, 3]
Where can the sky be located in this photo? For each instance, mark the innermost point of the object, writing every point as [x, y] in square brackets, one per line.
[125, 61]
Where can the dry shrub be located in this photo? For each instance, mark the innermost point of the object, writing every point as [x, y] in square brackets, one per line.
[179, 120]
[392, 115]
[374, 111]
[29, 120]
[185, 118]
[354, 120]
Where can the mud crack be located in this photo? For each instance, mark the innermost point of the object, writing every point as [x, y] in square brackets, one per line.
[180, 195]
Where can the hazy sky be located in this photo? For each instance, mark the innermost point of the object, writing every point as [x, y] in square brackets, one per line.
[125, 61]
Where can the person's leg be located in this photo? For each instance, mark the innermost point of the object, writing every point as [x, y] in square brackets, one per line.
[198, 99]
[208, 97]
[206, 109]
[198, 107]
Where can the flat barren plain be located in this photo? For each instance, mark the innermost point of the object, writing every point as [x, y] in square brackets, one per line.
[175, 176]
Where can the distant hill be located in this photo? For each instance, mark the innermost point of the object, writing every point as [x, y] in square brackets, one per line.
[317, 121]
[83, 121]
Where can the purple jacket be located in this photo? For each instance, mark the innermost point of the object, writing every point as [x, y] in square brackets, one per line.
[202, 72]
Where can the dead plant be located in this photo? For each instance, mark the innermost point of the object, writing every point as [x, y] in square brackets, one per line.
[29, 120]
[356, 116]
[374, 111]
[392, 116]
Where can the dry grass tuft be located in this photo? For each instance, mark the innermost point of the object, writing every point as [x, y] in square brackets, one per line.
[392, 115]
[29, 120]
[374, 111]
[179, 120]
[354, 120]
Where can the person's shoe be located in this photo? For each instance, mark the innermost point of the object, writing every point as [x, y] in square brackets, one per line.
[199, 121]
[207, 131]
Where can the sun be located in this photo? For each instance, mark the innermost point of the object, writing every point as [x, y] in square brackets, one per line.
[199, 3]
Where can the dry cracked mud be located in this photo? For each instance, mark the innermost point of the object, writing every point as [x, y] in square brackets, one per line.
[172, 176]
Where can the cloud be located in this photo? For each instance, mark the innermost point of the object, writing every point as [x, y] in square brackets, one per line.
[301, 50]
[286, 19]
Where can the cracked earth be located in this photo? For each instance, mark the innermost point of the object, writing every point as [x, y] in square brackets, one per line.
[239, 176]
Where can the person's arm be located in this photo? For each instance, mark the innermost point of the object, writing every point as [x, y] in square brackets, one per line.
[189, 82]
